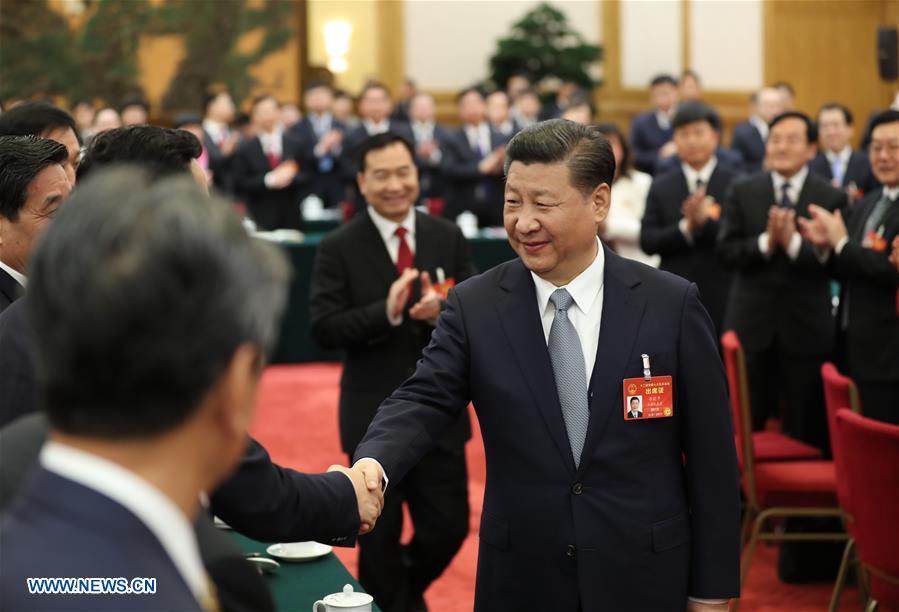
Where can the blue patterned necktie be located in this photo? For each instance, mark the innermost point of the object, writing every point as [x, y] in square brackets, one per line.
[570, 371]
[785, 201]
[836, 169]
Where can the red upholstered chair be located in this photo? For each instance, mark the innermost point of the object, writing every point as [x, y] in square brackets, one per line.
[869, 458]
[766, 445]
[840, 392]
[775, 489]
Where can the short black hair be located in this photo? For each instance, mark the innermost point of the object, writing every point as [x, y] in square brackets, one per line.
[380, 141]
[887, 116]
[468, 90]
[210, 96]
[35, 119]
[784, 85]
[693, 112]
[663, 79]
[583, 148]
[611, 129]
[829, 106]
[139, 294]
[138, 101]
[21, 159]
[318, 84]
[811, 130]
[163, 151]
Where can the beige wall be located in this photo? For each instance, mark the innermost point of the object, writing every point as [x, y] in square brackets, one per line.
[364, 40]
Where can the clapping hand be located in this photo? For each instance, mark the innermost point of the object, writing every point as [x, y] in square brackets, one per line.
[824, 229]
[696, 209]
[894, 256]
[428, 307]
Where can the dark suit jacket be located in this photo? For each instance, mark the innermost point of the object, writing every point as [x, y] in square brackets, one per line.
[647, 137]
[17, 388]
[430, 175]
[10, 289]
[271, 208]
[659, 233]
[348, 310]
[858, 171]
[776, 299]
[748, 143]
[326, 184]
[726, 157]
[464, 182]
[872, 335]
[220, 164]
[58, 528]
[651, 515]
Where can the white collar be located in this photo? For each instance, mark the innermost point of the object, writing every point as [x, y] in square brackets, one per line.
[843, 155]
[796, 182]
[376, 128]
[760, 124]
[387, 228]
[17, 276]
[663, 119]
[151, 507]
[891, 192]
[704, 174]
[584, 288]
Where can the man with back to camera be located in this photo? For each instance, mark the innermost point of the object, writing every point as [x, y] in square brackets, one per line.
[261, 499]
[546, 346]
[33, 185]
[683, 208]
[860, 247]
[117, 490]
[373, 296]
[780, 302]
[651, 131]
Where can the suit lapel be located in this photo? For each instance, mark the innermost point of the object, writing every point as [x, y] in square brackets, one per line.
[520, 320]
[622, 311]
[718, 183]
[374, 252]
[857, 230]
[426, 256]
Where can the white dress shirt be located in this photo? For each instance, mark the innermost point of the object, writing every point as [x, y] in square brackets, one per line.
[373, 128]
[217, 130]
[760, 125]
[479, 137]
[586, 290]
[273, 142]
[17, 276]
[663, 119]
[796, 182]
[841, 157]
[387, 229]
[147, 503]
[704, 174]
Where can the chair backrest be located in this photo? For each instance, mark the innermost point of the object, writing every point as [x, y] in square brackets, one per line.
[870, 458]
[839, 392]
[741, 410]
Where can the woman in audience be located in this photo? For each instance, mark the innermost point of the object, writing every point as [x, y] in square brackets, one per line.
[621, 229]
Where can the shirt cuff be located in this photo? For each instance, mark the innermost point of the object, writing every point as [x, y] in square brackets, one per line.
[394, 321]
[708, 601]
[684, 226]
[381, 467]
[269, 180]
[838, 248]
[763, 245]
[794, 246]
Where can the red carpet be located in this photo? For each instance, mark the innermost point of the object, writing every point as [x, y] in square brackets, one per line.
[297, 421]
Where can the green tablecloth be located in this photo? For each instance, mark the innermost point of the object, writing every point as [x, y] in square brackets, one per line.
[295, 343]
[296, 586]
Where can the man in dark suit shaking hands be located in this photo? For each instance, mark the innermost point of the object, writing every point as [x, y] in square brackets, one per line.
[583, 509]
[141, 421]
[377, 289]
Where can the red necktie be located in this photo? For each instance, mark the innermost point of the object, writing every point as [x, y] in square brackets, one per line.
[404, 257]
[273, 160]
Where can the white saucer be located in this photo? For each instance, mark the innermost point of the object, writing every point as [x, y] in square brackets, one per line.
[298, 551]
[220, 523]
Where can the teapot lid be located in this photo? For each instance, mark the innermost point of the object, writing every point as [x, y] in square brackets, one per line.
[348, 598]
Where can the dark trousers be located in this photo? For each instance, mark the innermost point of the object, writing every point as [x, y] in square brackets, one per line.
[789, 385]
[436, 491]
[879, 399]
[276, 213]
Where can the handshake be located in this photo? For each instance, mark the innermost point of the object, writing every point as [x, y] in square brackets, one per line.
[367, 479]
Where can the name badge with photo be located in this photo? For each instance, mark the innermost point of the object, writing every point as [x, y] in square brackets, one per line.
[651, 398]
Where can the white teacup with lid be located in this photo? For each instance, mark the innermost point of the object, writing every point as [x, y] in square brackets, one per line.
[346, 601]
